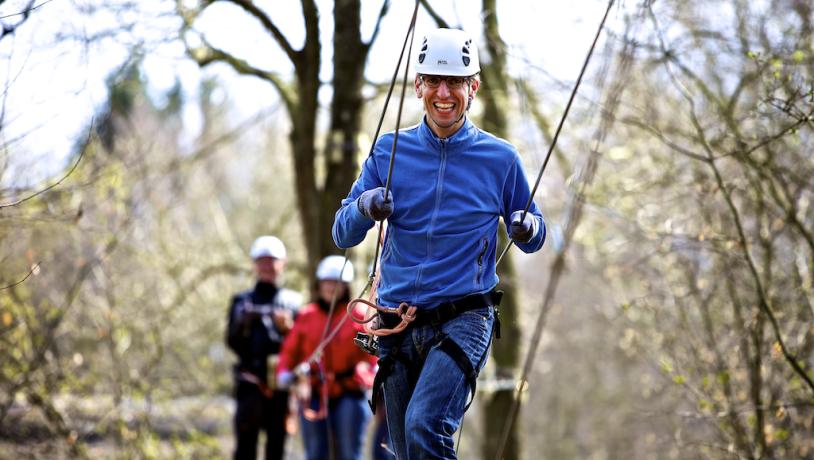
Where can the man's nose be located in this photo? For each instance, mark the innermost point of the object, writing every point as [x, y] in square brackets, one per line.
[443, 89]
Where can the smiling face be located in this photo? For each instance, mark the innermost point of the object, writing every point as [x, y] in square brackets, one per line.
[445, 104]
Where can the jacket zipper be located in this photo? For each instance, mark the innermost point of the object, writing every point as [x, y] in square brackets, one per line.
[439, 188]
[480, 263]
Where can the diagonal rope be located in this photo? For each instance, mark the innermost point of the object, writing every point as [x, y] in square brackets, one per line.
[411, 35]
[560, 125]
[559, 262]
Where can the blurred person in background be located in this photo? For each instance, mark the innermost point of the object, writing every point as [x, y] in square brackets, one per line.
[333, 408]
[259, 319]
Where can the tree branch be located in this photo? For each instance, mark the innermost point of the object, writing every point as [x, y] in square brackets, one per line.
[266, 21]
[763, 300]
[439, 21]
[81, 154]
[35, 268]
[377, 27]
[208, 54]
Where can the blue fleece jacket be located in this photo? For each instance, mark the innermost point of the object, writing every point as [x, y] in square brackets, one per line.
[448, 195]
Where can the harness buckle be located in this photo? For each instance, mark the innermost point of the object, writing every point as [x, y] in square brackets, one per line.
[367, 342]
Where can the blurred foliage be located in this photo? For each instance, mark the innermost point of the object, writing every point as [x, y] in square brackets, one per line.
[138, 253]
[702, 220]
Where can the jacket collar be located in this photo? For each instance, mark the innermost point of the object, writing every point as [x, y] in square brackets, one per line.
[458, 141]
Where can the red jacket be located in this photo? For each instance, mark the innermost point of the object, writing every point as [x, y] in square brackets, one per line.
[346, 366]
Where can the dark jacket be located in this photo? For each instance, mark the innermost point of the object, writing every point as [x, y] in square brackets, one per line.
[251, 333]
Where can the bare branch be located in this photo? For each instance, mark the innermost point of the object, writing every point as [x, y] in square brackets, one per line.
[30, 272]
[663, 138]
[208, 54]
[46, 189]
[9, 29]
[266, 21]
[439, 21]
[377, 27]
[27, 10]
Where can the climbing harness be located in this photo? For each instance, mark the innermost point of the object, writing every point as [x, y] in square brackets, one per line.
[436, 317]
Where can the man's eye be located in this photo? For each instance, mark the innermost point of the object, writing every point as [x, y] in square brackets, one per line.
[434, 81]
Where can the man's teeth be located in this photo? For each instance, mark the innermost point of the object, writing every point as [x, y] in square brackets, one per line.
[444, 106]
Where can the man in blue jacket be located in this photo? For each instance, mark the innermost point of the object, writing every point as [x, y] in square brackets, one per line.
[451, 183]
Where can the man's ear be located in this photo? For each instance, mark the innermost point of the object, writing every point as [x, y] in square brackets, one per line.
[473, 88]
[418, 92]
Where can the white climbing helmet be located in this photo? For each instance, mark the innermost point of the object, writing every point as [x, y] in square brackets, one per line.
[335, 268]
[267, 246]
[448, 52]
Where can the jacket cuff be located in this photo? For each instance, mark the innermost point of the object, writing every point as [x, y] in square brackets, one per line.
[356, 216]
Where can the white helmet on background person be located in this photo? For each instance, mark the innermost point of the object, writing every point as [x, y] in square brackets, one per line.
[335, 268]
[268, 246]
[448, 52]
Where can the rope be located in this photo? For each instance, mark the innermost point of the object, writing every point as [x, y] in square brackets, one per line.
[560, 125]
[559, 263]
[410, 35]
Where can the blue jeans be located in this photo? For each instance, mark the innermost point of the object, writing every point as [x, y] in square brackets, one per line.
[344, 428]
[425, 406]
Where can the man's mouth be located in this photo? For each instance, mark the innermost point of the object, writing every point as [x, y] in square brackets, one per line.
[444, 106]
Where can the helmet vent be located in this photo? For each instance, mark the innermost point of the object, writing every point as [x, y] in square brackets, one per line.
[423, 54]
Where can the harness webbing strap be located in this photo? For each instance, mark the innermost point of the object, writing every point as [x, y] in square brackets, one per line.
[454, 351]
[386, 364]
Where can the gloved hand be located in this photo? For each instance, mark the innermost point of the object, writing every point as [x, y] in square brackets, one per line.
[283, 320]
[522, 231]
[373, 204]
[285, 379]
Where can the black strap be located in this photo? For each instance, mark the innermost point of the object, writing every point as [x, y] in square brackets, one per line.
[347, 373]
[454, 351]
[496, 296]
[448, 310]
[386, 364]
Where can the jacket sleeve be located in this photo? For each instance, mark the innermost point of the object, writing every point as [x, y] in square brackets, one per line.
[350, 225]
[291, 349]
[237, 336]
[365, 371]
[516, 194]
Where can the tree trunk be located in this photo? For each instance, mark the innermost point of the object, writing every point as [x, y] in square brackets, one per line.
[505, 352]
[342, 149]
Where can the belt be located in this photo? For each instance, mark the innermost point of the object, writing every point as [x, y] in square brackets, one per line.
[448, 310]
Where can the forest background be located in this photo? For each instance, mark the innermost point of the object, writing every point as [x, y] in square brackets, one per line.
[146, 144]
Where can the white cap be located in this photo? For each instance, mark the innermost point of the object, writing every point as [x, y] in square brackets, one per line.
[335, 268]
[268, 246]
[448, 52]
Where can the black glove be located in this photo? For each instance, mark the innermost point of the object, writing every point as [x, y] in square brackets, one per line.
[372, 204]
[522, 231]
